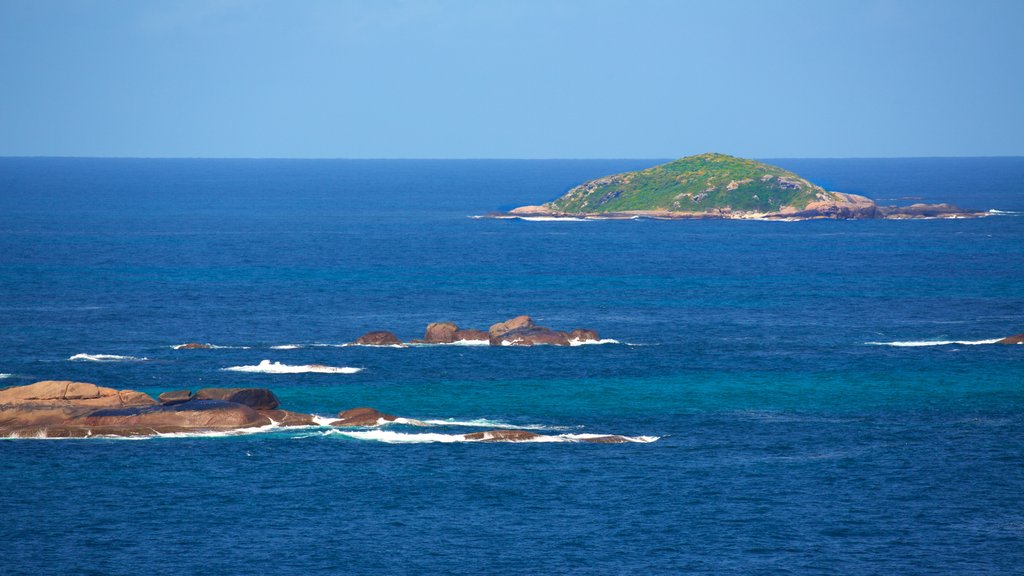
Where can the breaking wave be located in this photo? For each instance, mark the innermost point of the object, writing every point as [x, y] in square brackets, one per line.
[268, 367]
[593, 342]
[105, 358]
[393, 437]
[917, 343]
[209, 347]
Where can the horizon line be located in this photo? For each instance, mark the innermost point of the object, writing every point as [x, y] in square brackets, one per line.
[464, 159]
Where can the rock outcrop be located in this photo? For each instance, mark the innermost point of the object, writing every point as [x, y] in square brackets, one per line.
[502, 436]
[175, 397]
[362, 417]
[83, 394]
[188, 416]
[378, 338]
[1015, 339]
[502, 328]
[193, 346]
[289, 418]
[440, 333]
[584, 335]
[532, 336]
[470, 335]
[255, 398]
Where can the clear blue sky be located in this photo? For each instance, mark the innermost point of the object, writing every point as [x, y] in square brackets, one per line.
[511, 79]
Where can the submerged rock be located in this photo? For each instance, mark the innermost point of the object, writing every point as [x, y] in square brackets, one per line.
[613, 439]
[502, 436]
[362, 417]
[193, 346]
[255, 398]
[378, 338]
[1015, 339]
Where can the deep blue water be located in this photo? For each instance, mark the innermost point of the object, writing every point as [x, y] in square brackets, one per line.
[787, 444]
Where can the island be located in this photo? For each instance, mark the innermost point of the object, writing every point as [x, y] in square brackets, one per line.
[719, 186]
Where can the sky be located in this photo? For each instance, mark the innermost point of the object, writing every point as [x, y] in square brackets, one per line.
[511, 79]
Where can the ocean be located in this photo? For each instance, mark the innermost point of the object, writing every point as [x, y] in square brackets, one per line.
[811, 397]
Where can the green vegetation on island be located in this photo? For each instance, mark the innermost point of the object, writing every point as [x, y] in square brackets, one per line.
[719, 186]
[694, 184]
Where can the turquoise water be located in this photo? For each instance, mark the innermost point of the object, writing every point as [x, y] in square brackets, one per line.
[793, 435]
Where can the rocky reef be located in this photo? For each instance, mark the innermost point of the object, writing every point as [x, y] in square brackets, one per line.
[518, 331]
[65, 409]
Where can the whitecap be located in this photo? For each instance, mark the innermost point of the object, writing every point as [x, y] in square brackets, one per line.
[2, 376]
[485, 423]
[209, 346]
[593, 342]
[369, 345]
[1003, 212]
[393, 437]
[286, 347]
[456, 343]
[105, 358]
[552, 219]
[917, 343]
[268, 367]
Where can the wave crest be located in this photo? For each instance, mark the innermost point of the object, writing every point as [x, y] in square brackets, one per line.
[105, 358]
[268, 367]
[918, 343]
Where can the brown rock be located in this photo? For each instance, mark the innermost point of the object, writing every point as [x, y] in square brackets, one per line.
[362, 417]
[81, 394]
[533, 336]
[175, 397]
[191, 415]
[471, 336]
[193, 346]
[289, 418]
[255, 398]
[502, 328]
[440, 333]
[583, 335]
[378, 338]
[607, 440]
[502, 436]
[1015, 339]
[33, 416]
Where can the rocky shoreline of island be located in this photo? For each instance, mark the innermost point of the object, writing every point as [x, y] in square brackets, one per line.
[855, 210]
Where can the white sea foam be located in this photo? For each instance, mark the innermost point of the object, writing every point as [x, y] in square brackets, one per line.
[593, 342]
[484, 423]
[369, 345]
[2, 376]
[210, 346]
[392, 437]
[917, 343]
[552, 219]
[456, 343]
[268, 367]
[286, 347]
[1003, 212]
[105, 358]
